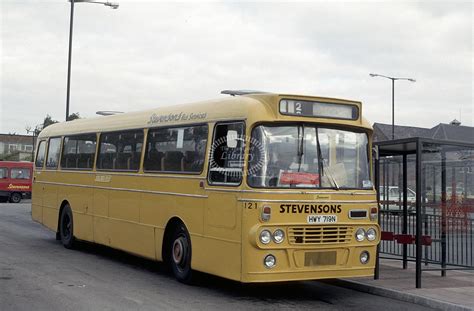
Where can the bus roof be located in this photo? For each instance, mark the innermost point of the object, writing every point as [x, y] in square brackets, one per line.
[16, 164]
[254, 107]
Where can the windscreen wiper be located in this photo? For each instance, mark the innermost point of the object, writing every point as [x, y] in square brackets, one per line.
[300, 146]
[321, 164]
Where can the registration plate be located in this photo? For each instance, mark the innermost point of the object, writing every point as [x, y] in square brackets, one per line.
[322, 219]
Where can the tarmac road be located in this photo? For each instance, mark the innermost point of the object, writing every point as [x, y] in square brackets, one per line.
[38, 273]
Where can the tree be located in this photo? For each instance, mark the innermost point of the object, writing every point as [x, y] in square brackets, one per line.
[48, 121]
[74, 116]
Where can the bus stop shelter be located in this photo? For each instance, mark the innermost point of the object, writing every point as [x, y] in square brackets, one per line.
[433, 227]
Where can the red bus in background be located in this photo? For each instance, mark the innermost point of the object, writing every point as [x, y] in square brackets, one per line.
[15, 181]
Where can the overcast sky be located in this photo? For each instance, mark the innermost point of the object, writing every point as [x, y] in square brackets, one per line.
[149, 53]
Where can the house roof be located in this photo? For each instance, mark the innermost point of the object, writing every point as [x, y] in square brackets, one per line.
[16, 139]
[441, 131]
[384, 131]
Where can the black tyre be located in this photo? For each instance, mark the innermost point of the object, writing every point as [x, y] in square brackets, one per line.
[180, 254]
[15, 197]
[66, 227]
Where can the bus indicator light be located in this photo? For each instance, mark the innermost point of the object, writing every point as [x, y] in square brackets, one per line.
[373, 213]
[266, 213]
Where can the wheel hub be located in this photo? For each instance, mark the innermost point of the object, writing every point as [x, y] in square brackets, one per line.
[179, 251]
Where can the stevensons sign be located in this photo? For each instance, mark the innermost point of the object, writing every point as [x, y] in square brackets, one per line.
[175, 117]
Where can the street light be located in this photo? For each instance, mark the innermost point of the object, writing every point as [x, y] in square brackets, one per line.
[34, 132]
[393, 95]
[109, 4]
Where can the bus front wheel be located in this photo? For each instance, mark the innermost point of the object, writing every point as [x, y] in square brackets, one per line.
[180, 254]
[66, 227]
[15, 197]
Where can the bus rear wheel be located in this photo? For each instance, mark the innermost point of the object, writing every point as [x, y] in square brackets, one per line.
[66, 227]
[15, 197]
[180, 254]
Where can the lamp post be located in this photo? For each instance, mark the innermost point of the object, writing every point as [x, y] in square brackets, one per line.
[34, 132]
[393, 95]
[109, 4]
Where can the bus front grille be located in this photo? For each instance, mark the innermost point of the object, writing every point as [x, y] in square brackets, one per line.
[320, 234]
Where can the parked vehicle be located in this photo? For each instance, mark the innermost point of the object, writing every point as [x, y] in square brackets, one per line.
[15, 181]
[391, 199]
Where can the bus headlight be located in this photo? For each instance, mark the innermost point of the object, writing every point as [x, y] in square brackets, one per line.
[364, 257]
[278, 236]
[265, 237]
[360, 235]
[371, 234]
[269, 261]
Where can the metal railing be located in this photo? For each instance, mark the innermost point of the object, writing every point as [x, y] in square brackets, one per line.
[451, 244]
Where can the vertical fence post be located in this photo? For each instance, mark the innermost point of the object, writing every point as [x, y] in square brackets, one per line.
[443, 213]
[418, 212]
[423, 209]
[434, 184]
[405, 210]
[377, 187]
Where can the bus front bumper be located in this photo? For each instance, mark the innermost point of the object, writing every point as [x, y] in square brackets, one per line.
[309, 264]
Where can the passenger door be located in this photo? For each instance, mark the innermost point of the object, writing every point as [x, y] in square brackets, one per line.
[37, 186]
[226, 163]
[222, 221]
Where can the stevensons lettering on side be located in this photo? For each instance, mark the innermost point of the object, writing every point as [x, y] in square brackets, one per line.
[174, 117]
[310, 208]
[18, 187]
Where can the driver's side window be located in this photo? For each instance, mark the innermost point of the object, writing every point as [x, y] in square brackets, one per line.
[226, 161]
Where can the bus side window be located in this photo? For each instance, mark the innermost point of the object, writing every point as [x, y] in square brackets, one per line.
[79, 152]
[176, 149]
[53, 152]
[120, 150]
[3, 173]
[227, 154]
[40, 154]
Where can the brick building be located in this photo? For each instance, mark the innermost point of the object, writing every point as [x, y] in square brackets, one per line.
[14, 147]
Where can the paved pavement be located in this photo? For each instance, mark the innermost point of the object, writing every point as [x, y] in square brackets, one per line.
[453, 292]
[37, 273]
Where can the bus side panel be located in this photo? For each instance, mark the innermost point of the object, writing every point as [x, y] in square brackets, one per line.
[132, 237]
[123, 204]
[222, 244]
[158, 209]
[100, 205]
[50, 189]
[50, 199]
[159, 235]
[101, 230]
[50, 218]
[36, 211]
[80, 200]
[37, 198]
[83, 226]
[215, 256]
[100, 212]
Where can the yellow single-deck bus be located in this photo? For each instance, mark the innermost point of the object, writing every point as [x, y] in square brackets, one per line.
[255, 187]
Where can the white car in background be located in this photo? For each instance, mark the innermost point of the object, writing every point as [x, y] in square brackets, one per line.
[391, 199]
